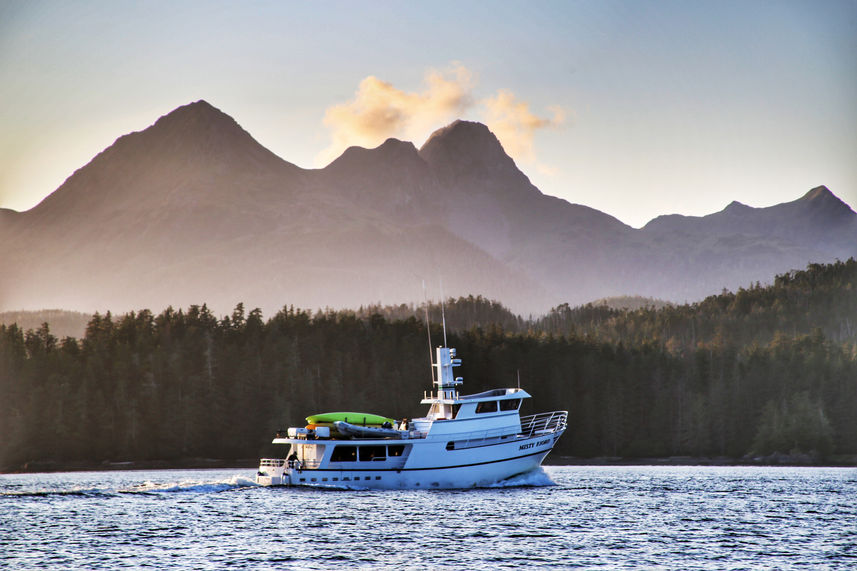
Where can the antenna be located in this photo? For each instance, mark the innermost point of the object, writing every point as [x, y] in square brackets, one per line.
[519, 379]
[442, 313]
[428, 332]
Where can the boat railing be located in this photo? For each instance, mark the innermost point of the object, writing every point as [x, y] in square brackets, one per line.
[544, 422]
[467, 438]
[281, 462]
[307, 464]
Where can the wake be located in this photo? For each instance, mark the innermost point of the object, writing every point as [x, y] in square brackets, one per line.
[147, 487]
[534, 479]
[191, 486]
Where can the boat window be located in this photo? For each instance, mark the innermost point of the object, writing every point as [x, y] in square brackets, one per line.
[511, 404]
[486, 406]
[455, 408]
[344, 454]
[369, 453]
[396, 450]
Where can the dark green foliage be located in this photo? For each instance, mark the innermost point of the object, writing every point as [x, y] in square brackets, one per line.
[761, 371]
[822, 296]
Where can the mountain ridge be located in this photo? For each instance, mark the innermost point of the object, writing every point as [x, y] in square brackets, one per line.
[193, 209]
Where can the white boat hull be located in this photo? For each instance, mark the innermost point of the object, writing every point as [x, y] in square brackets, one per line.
[466, 468]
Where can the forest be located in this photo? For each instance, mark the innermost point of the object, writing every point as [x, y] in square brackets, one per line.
[767, 373]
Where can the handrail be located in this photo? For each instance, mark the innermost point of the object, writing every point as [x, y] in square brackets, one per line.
[544, 422]
[481, 435]
[535, 424]
[280, 463]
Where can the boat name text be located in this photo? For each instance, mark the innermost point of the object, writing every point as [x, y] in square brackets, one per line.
[531, 444]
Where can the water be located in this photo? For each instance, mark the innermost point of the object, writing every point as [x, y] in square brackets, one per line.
[588, 517]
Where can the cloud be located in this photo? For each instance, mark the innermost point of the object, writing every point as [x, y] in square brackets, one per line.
[515, 125]
[379, 110]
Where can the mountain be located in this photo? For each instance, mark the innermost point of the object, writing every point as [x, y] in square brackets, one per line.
[193, 209]
[817, 220]
[741, 244]
[495, 206]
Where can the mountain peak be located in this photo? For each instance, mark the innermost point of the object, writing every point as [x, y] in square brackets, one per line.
[195, 142]
[390, 151]
[734, 210]
[469, 149]
[818, 193]
[194, 119]
[202, 133]
[821, 199]
[393, 148]
[200, 106]
[467, 137]
[460, 127]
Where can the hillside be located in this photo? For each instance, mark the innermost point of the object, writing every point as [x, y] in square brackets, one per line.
[194, 209]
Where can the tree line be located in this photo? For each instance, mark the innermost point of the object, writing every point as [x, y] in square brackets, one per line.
[760, 371]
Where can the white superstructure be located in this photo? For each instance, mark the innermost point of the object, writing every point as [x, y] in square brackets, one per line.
[464, 441]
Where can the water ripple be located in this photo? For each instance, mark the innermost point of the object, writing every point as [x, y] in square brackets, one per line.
[562, 517]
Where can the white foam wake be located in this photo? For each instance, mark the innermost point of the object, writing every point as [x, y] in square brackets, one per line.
[534, 478]
[192, 486]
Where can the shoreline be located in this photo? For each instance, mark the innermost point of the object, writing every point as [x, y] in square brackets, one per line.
[774, 460]
[777, 460]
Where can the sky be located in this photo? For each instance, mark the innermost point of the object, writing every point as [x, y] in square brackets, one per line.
[635, 108]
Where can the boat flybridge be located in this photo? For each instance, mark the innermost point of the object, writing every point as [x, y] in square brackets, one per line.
[464, 441]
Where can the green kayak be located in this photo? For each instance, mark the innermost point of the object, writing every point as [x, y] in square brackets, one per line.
[360, 418]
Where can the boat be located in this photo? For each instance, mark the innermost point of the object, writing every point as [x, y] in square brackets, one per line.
[463, 441]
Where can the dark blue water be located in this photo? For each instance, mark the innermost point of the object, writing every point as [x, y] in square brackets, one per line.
[587, 517]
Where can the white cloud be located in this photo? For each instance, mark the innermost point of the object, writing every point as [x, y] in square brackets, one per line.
[380, 110]
[515, 125]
